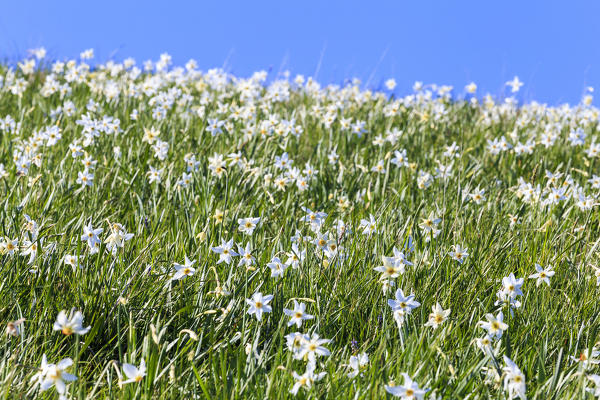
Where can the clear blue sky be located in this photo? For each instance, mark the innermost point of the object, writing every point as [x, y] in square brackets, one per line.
[553, 46]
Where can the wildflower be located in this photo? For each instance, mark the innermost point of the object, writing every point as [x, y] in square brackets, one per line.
[117, 238]
[73, 261]
[218, 216]
[247, 225]
[494, 325]
[514, 380]
[368, 226]
[597, 274]
[515, 84]
[471, 88]
[259, 304]
[185, 181]
[307, 379]
[587, 358]
[54, 375]
[283, 162]
[379, 167]
[314, 218]
[400, 159]
[295, 257]
[225, 251]
[185, 270]
[542, 274]
[459, 254]
[73, 323]
[390, 268]
[477, 196]
[294, 342]
[406, 303]
[9, 246]
[429, 226]
[357, 363]
[511, 286]
[312, 347]
[408, 391]
[133, 373]
[215, 126]
[90, 235]
[85, 178]
[30, 248]
[438, 316]
[485, 344]
[246, 257]
[277, 267]
[154, 175]
[596, 390]
[297, 315]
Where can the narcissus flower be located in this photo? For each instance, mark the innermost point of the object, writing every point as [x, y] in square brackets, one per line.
[185, 270]
[70, 324]
[133, 373]
[259, 304]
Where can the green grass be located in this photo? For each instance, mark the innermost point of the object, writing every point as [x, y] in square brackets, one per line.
[137, 313]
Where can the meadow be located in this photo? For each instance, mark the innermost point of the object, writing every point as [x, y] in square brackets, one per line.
[174, 233]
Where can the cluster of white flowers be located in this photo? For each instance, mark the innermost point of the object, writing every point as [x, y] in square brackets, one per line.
[313, 183]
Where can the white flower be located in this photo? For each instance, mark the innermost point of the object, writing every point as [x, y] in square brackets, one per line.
[390, 84]
[54, 375]
[185, 270]
[247, 225]
[277, 267]
[596, 390]
[408, 391]
[246, 257]
[307, 379]
[485, 344]
[514, 380]
[154, 175]
[133, 373]
[368, 226]
[404, 303]
[297, 315]
[313, 346]
[73, 261]
[542, 274]
[259, 304]
[494, 325]
[225, 251]
[511, 286]
[73, 323]
[90, 235]
[459, 254]
[438, 316]
[587, 358]
[357, 363]
[515, 84]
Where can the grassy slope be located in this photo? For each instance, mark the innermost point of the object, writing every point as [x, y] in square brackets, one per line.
[346, 298]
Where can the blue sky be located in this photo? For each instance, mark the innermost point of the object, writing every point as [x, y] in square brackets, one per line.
[552, 46]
